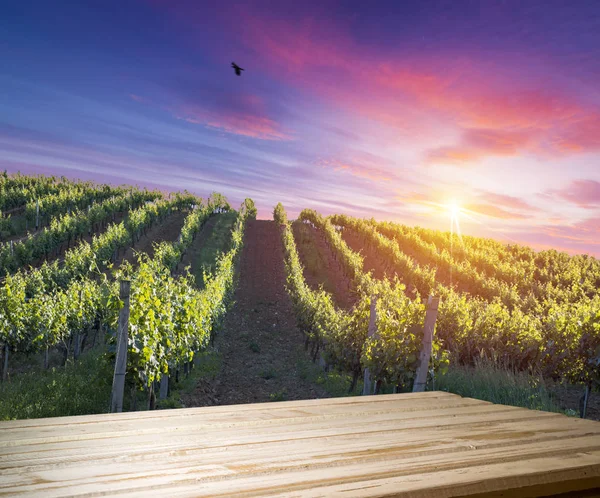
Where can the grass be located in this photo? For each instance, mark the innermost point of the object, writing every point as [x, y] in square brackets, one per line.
[207, 365]
[489, 382]
[79, 388]
[268, 373]
[279, 395]
[334, 382]
[219, 241]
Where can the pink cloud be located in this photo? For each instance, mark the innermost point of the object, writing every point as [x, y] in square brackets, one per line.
[243, 114]
[586, 233]
[499, 115]
[239, 124]
[494, 212]
[582, 136]
[360, 169]
[509, 202]
[583, 193]
[453, 155]
[492, 205]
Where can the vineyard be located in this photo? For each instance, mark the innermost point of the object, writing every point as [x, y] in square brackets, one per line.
[537, 313]
[143, 286]
[59, 292]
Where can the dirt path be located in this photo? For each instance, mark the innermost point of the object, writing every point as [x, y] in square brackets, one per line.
[191, 255]
[372, 260]
[168, 230]
[260, 345]
[321, 267]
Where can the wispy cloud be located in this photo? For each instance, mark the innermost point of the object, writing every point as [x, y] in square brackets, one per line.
[477, 143]
[508, 201]
[583, 193]
[247, 125]
[360, 164]
[494, 212]
[495, 116]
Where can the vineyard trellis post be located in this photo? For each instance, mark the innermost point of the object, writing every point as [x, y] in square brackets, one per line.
[37, 214]
[583, 404]
[118, 388]
[368, 382]
[6, 349]
[430, 318]
[164, 386]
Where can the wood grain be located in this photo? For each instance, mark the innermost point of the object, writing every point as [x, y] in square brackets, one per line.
[416, 444]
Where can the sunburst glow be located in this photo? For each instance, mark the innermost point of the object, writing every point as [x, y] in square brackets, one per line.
[454, 209]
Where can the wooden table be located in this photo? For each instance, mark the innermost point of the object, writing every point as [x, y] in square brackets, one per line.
[430, 444]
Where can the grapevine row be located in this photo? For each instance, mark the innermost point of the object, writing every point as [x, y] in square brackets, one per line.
[65, 229]
[562, 342]
[16, 190]
[392, 354]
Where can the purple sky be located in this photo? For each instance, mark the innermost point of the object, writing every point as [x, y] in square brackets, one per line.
[384, 109]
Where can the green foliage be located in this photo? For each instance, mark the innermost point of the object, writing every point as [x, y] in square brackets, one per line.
[343, 335]
[80, 388]
[218, 242]
[66, 229]
[279, 395]
[268, 373]
[279, 214]
[248, 208]
[489, 382]
[541, 313]
[170, 318]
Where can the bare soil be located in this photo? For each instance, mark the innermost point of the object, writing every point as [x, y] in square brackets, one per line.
[372, 260]
[322, 266]
[568, 397]
[191, 255]
[260, 344]
[166, 231]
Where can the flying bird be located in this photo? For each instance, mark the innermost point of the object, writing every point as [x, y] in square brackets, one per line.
[238, 70]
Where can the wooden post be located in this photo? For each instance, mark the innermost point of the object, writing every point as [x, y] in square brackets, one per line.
[12, 249]
[151, 397]
[5, 363]
[164, 386]
[322, 362]
[368, 382]
[584, 401]
[430, 318]
[37, 214]
[116, 405]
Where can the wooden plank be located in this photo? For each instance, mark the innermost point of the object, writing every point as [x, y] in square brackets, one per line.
[209, 438]
[107, 428]
[322, 404]
[250, 479]
[422, 444]
[343, 447]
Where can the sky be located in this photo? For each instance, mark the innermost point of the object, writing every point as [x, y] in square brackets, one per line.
[391, 110]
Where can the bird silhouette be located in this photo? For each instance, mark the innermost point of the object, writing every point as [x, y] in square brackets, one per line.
[238, 70]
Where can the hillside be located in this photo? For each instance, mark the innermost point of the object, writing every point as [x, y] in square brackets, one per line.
[227, 309]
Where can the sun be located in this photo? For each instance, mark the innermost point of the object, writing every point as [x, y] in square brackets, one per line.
[454, 209]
